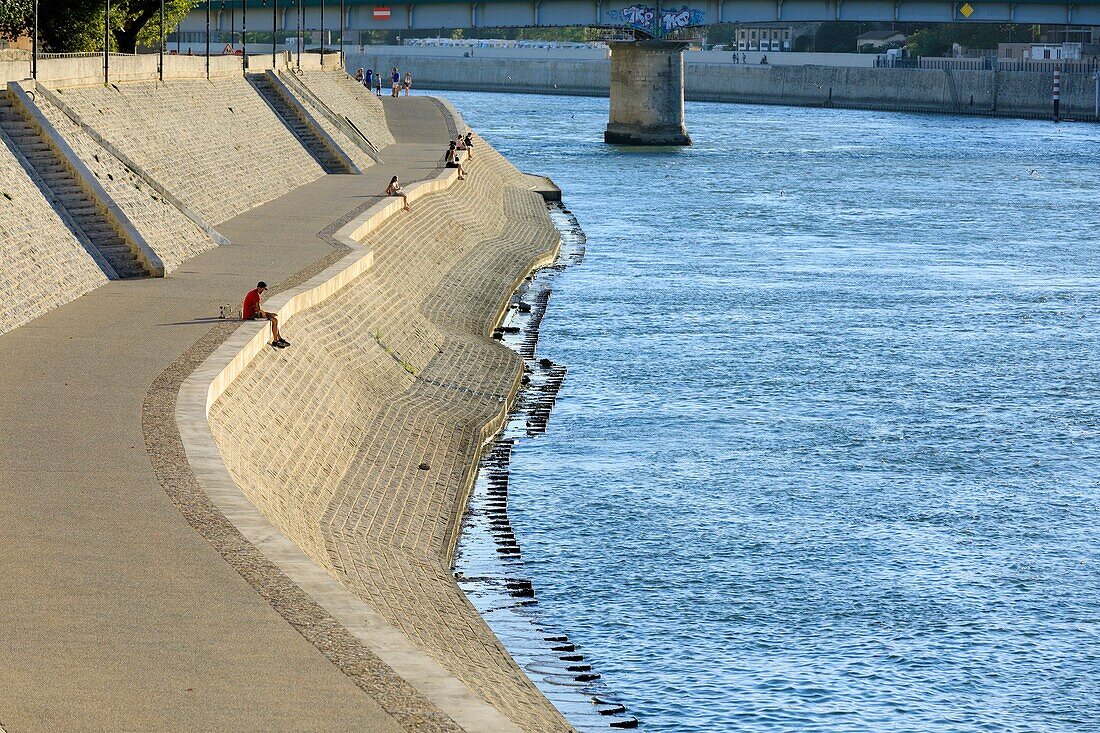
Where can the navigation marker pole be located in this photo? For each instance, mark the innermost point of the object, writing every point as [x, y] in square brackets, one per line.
[1057, 90]
[1096, 95]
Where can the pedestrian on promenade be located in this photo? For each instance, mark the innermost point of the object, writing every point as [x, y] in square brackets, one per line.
[394, 189]
[744, 59]
[378, 83]
[368, 80]
[469, 141]
[407, 83]
[251, 311]
[764, 60]
[395, 80]
[359, 75]
[452, 161]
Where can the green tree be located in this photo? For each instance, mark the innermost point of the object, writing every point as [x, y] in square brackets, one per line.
[836, 37]
[74, 26]
[15, 18]
[937, 40]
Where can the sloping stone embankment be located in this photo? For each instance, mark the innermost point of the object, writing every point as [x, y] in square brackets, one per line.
[360, 442]
[42, 263]
[216, 144]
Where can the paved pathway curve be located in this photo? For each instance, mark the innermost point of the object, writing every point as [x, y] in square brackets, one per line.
[115, 614]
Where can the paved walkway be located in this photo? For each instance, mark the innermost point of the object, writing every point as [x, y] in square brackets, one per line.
[115, 614]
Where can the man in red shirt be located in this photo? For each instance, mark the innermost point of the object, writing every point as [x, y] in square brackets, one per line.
[251, 311]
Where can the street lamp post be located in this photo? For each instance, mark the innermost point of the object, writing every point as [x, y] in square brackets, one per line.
[160, 58]
[274, 30]
[342, 19]
[244, 35]
[34, 43]
[107, 45]
[207, 39]
[299, 63]
[322, 34]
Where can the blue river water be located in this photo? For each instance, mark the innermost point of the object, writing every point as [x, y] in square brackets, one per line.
[827, 456]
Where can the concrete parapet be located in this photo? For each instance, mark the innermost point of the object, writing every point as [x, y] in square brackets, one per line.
[647, 94]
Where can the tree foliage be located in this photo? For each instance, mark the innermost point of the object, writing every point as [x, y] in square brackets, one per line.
[837, 37]
[74, 26]
[937, 40]
[15, 17]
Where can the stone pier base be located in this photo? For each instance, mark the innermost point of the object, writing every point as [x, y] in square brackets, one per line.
[647, 94]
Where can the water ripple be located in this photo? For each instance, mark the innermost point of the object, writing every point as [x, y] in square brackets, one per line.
[827, 456]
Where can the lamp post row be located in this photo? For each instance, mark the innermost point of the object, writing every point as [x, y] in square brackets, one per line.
[160, 51]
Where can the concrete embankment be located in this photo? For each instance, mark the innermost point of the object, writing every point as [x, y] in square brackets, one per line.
[135, 602]
[1003, 93]
[382, 408]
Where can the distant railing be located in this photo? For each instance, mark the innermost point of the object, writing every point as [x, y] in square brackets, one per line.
[961, 64]
[1049, 65]
[85, 55]
[1044, 66]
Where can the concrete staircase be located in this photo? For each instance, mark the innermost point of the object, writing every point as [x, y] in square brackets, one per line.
[84, 213]
[297, 123]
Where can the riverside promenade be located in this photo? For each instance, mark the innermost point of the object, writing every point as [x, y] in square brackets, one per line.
[129, 602]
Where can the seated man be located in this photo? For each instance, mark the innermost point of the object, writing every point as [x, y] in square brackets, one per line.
[252, 312]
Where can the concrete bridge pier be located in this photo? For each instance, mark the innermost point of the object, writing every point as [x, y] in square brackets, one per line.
[647, 94]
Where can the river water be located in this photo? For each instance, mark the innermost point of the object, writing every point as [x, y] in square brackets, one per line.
[827, 456]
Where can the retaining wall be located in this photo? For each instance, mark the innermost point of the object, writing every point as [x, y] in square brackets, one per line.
[215, 144]
[42, 263]
[360, 442]
[1008, 93]
[169, 233]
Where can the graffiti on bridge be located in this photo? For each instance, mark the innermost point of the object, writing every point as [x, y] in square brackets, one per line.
[641, 16]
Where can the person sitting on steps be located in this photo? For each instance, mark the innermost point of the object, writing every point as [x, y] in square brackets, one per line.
[452, 161]
[252, 312]
[394, 189]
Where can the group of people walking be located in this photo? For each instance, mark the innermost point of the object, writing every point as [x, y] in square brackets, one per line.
[372, 80]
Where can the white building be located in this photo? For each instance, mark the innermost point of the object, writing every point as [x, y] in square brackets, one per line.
[764, 38]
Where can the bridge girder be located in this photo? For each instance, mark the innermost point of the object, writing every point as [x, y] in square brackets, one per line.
[642, 15]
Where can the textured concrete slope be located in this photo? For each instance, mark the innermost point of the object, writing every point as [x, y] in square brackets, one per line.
[116, 614]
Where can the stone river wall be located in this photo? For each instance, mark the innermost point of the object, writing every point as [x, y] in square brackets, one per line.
[1006, 93]
[42, 263]
[176, 157]
[360, 442]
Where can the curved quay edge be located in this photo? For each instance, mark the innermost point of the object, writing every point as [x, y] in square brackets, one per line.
[201, 389]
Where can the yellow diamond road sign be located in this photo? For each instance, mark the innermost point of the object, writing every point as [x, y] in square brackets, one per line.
[967, 10]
